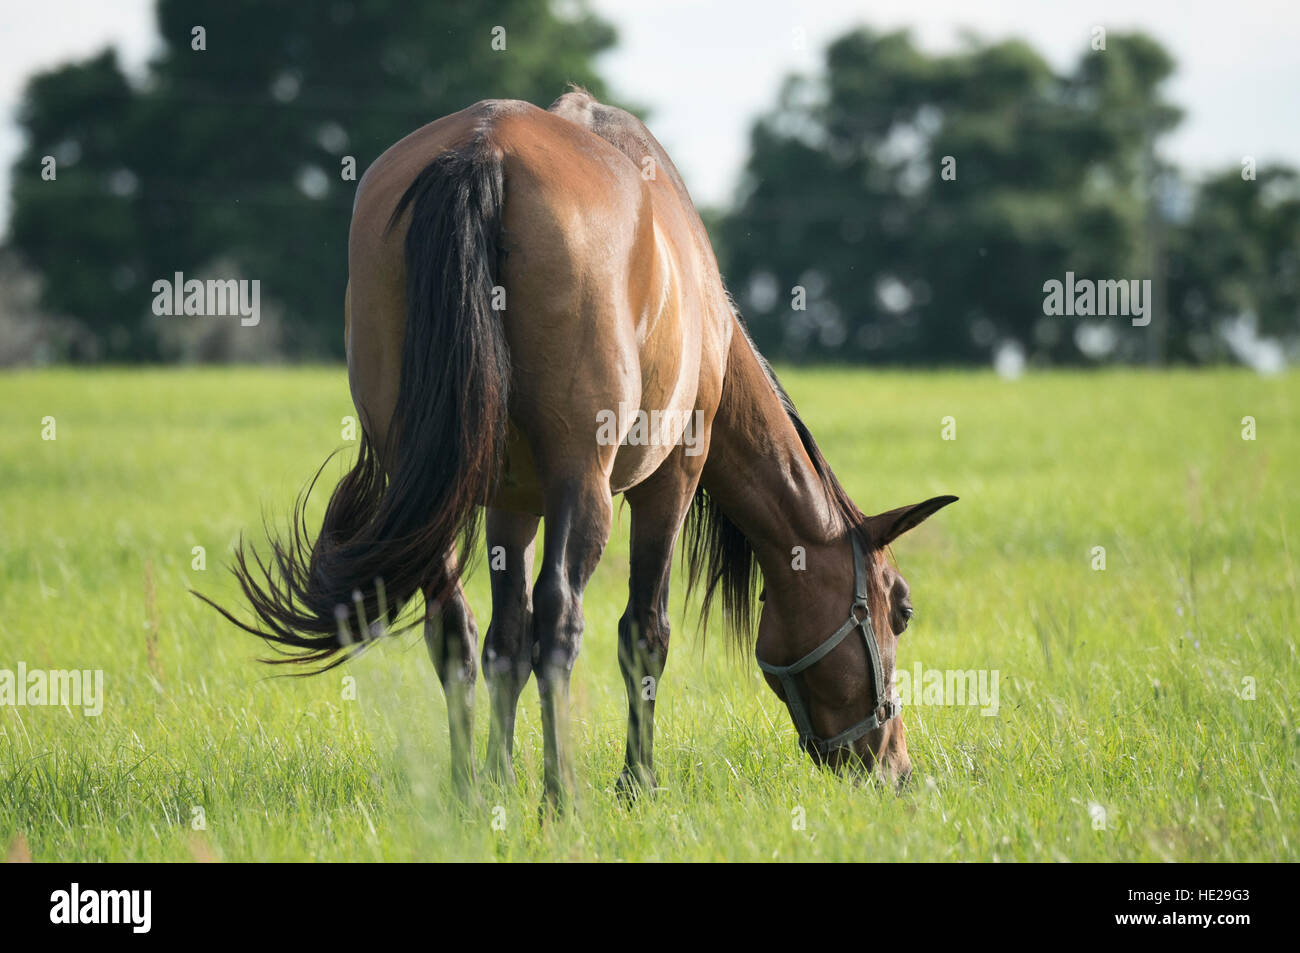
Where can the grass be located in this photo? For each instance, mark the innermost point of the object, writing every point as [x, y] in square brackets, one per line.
[1158, 695]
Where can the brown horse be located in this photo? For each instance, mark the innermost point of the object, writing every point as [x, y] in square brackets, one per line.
[526, 289]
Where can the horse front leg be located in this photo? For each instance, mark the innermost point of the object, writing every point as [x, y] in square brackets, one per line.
[658, 508]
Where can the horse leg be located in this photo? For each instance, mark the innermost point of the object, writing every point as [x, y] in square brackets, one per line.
[658, 507]
[451, 635]
[508, 649]
[578, 513]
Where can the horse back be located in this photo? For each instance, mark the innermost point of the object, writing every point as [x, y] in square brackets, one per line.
[611, 300]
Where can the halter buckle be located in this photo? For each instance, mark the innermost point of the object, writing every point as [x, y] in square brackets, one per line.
[888, 710]
[866, 614]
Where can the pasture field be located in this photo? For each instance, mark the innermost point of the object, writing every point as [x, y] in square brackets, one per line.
[1147, 711]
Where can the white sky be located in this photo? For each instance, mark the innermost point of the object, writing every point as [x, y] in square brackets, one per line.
[707, 69]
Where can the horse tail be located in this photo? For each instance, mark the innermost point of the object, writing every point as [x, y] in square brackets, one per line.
[391, 524]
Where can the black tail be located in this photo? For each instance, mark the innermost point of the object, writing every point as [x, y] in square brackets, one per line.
[391, 524]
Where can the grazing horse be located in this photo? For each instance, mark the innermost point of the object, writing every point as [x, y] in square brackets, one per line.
[518, 279]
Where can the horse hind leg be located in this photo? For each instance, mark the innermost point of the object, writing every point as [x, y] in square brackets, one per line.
[508, 648]
[451, 635]
[578, 512]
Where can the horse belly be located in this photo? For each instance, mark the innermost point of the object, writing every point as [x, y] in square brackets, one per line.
[652, 434]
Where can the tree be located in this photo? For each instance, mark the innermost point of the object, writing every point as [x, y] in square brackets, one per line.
[232, 152]
[1237, 256]
[921, 202]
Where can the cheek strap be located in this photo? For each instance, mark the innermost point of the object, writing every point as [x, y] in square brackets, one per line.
[860, 619]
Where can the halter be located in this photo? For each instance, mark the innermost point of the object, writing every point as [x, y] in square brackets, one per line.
[859, 618]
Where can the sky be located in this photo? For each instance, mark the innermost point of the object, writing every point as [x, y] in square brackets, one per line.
[705, 70]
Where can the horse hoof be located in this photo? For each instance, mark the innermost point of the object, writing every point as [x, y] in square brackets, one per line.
[500, 773]
[631, 785]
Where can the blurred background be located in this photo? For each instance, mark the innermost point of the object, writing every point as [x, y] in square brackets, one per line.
[1158, 143]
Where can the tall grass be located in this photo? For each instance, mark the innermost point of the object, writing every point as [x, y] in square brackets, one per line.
[1122, 731]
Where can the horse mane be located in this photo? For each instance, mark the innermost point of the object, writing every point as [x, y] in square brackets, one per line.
[716, 552]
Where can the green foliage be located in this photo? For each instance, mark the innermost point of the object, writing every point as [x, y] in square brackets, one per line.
[231, 156]
[1119, 689]
[845, 195]
[1238, 255]
[227, 162]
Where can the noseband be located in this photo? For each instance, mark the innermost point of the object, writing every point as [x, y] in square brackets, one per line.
[860, 619]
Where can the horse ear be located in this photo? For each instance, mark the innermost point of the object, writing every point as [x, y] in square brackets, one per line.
[884, 528]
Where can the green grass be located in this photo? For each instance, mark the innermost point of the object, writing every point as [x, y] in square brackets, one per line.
[1119, 688]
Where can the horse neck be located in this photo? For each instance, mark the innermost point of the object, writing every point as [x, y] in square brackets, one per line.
[763, 479]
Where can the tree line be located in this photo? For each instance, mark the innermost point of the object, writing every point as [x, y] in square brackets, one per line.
[897, 206]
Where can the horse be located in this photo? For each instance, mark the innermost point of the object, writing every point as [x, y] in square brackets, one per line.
[515, 276]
